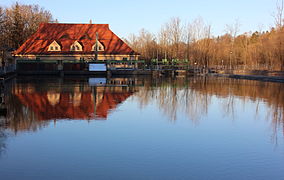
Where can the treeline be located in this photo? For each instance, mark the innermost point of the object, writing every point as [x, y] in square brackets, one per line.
[18, 22]
[194, 44]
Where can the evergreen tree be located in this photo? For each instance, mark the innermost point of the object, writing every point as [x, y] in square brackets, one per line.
[17, 27]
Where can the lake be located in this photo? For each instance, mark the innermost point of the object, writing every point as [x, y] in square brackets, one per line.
[141, 128]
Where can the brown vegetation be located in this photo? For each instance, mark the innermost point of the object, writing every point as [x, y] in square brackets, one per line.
[193, 43]
[18, 22]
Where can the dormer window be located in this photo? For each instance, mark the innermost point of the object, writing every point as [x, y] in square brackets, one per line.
[65, 36]
[76, 46]
[99, 48]
[85, 36]
[54, 46]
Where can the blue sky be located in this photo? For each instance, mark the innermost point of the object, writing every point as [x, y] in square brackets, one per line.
[129, 16]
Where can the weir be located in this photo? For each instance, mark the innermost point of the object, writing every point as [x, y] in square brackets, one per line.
[108, 67]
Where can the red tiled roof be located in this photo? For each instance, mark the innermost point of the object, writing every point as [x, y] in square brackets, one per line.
[65, 109]
[66, 34]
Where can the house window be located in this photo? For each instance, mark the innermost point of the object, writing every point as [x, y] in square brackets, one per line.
[85, 36]
[76, 46]
[65, 36]
[54, 46]
[99, 48]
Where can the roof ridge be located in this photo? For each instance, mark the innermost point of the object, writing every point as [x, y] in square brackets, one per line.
[75, 23]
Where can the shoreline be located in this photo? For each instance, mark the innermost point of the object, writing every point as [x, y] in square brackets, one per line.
[277, 79]
[264, 78]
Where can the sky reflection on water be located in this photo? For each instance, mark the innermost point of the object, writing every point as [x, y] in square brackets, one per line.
[142, 128]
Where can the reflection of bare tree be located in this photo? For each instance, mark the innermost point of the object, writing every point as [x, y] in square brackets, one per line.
[194, 95]
[21, 118]
[231, 90]
[2, 137]
[174, 96]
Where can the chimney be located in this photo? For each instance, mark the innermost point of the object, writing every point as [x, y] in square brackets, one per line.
[91, 21]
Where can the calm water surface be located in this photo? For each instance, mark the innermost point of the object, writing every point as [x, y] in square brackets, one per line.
[141, 128]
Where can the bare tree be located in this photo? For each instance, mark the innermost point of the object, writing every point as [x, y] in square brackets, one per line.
[255, 51]
[176, 35]
[278, 15]
[21, 21]
[233, 31]
[2, 27]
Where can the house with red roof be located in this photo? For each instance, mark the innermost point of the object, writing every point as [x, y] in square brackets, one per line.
[57, 41]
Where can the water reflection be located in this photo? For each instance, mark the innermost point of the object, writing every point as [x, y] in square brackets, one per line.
[193, 96]
[153, 128]
[3, 113]
[32, 103]
[3, 137]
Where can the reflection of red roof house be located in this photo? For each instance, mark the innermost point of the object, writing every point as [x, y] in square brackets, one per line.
[40, 104]
[76, 40]
[110, 101]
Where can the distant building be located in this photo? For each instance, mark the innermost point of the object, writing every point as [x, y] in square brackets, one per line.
[56, 41]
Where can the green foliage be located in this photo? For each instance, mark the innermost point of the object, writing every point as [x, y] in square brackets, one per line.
[154, 61]
[165, 61]
[175, 61]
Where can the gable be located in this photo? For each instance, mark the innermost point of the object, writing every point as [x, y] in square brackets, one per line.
[54, 46]
[76, 46]
[98, 46]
